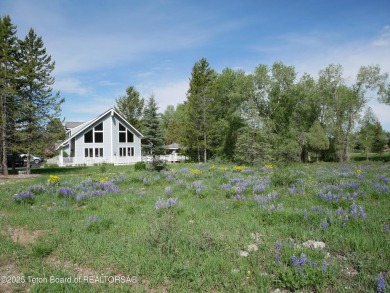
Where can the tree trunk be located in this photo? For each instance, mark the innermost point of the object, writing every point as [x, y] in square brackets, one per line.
[3, 136]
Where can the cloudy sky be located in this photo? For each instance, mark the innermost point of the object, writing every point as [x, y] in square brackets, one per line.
[101, 47]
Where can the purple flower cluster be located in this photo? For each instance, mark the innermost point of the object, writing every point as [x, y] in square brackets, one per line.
[24, 196]
[90, 220]
[168, 190]
[36, 188]
[67, 192]
[165, 204]
[278, 247]
[108, 187]
[239, 197]
[265, 199]
[198, 186]
[381, 284]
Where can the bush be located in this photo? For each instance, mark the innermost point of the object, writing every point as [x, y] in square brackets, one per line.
[139, 166]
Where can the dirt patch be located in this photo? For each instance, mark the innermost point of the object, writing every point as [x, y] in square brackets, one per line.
[24, 237]
[12, 277]
[14, 178]
[73, 268]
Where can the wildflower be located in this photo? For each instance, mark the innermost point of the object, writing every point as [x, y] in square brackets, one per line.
[160, 204]
[171, 202]
[324, 224]
[259, 187]
[268, 166]
[226, 186]
[25, 196]
[305, 213]
[385, 227]
[381, 283]
[90, 220]
[295, 261]
[324, 266]
[168, 190]
[238, 168]
[36, 188]
[67, 192]
[354, 211]
[278, 245]
[82, 197]
[302, 260]
[358, 171]
[239, 197]
[196, 172]
[277, 257]
[54, 180]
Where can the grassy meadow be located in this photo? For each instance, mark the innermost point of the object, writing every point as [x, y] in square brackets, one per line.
[197, 228]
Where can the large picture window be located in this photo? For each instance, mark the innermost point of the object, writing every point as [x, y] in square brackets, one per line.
[94, 135]
[125, 135]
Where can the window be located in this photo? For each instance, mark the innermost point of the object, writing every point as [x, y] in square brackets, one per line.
[88, 152]
[94, 135]
[88, 137]
[126, 152]
[125, 135]
[98, 132]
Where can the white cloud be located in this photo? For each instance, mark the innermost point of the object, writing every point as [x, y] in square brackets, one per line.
[70, 85]
[384, 38]
[171, 93]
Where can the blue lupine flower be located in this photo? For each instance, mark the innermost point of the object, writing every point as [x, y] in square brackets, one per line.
[385, 227]
[324, 224]
[277, 257]
[381, 283]
[278, 245]
[302, 260]
[36, 188]
[67, 192]
[25, 196]
[168, 190]
[305, 213]
[239, 197]
[324, 266]
[91, 219]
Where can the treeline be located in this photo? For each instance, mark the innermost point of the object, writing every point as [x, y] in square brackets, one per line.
[272, 115]
[29, 111]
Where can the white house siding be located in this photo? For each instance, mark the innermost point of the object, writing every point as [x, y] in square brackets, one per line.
[116, 144]
[111, 145]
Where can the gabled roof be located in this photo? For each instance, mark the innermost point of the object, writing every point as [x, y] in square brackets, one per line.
[78, 129]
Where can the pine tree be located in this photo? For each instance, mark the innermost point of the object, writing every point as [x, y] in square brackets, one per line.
[153, 133]
[131, 107]
[38, 105]
[199, 103]
[8, 77]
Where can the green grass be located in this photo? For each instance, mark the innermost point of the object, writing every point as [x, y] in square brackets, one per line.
[195, 246]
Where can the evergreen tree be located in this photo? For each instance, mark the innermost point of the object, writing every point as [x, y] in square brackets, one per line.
[131, 107]
[38, 104]
[152, 133]
[8, 78]
[199, 103]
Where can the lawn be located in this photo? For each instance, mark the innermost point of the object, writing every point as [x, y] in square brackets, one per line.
[198, 228]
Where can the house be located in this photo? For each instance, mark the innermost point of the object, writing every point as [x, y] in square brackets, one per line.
[108, 138]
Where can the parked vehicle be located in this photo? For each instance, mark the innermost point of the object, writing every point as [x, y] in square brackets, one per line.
[33, 159]
[15, 160]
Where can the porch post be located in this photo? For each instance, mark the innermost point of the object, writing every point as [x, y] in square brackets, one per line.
[61, 157]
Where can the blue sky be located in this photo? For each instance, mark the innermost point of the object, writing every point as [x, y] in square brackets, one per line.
[102, 47]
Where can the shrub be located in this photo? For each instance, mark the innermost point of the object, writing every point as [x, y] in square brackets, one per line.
[139, 166]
